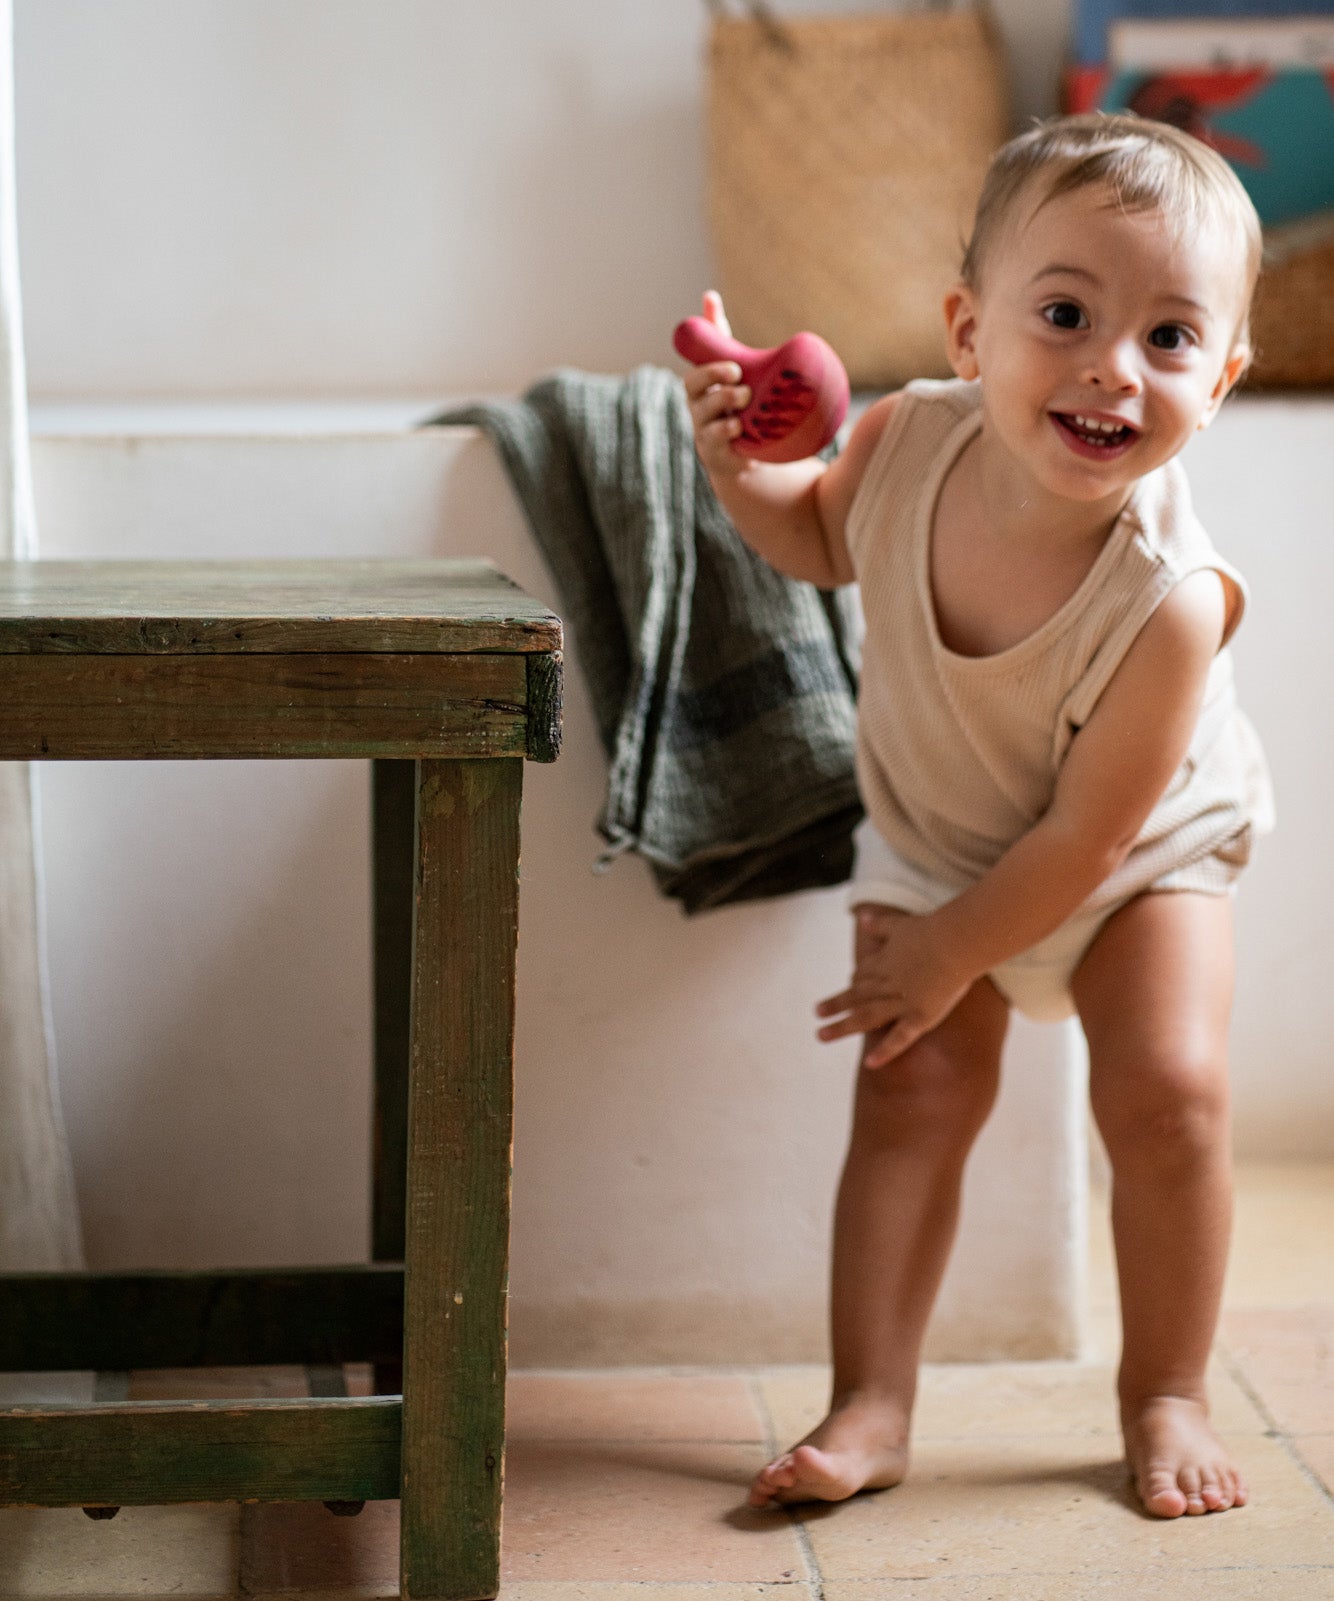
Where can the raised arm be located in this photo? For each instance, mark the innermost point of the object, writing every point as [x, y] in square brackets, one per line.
[794, 514]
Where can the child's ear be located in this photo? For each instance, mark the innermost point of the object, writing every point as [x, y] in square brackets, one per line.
[961, 330]
[1233, 370]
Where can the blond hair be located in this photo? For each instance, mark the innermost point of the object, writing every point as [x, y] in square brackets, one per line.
[1146, 165]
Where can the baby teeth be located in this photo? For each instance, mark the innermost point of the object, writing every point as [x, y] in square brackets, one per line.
[1095, 426]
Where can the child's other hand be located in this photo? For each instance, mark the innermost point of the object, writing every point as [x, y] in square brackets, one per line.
[715, 393]
[902, 982]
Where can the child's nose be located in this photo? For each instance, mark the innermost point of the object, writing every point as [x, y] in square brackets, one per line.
[1115, 365]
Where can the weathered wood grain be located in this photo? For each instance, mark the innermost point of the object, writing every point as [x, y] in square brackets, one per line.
[459, 1158]
[142, 1454]
[261, 1316]
[182, 607]
[544, 707]
[145, 707]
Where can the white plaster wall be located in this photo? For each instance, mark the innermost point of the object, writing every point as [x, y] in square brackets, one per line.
[1263, 481]
[264, 197]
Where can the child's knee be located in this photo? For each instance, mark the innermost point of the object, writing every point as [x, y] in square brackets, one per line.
[1174, 1103]
[929, 1095]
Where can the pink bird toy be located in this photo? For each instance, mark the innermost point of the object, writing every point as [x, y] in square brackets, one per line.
[798, 391]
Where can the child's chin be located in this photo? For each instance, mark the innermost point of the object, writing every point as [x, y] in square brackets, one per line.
[1087, 487]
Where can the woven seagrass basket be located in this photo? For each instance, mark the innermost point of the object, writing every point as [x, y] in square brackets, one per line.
[1292, 324]
[846, 154]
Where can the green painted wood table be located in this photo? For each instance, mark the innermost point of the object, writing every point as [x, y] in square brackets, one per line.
[447, 677]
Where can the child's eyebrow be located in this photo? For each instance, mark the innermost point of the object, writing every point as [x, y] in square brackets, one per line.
[1072, 272]
[1060, 270]
[1185, 300]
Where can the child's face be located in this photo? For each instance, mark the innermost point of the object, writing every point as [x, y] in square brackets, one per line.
[1088, 314]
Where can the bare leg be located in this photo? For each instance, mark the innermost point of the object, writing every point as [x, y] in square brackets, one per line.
[914, 1123]
[1154, 993]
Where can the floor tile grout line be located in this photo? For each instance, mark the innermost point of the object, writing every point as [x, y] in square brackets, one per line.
[814, 1578]
[1293, 1450]
[1234, 1370]
[586, 1587]
[1275, 1432]
[1146, 1570]
[627, 1439]
[926, 1437]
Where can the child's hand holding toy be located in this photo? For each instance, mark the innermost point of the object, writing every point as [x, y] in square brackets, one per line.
[764, 405]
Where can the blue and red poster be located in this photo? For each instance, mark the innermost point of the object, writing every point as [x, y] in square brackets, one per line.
[1252, 78]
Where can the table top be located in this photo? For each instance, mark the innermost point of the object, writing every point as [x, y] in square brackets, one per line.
[372, 605]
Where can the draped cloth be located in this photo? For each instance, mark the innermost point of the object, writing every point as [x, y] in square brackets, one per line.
[724, 692]
[39, 1224]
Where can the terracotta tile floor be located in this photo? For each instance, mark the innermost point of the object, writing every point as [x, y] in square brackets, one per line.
[629, 1484]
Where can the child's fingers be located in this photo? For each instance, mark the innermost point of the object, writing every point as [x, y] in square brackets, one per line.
[861, 1016]
[715, 446]
[716, 449]
[722, 429]
[710, 375]
[863, 990]
[832, 1005]
[714, 405]
[713, 310]
[722, 400]
[904, 1033]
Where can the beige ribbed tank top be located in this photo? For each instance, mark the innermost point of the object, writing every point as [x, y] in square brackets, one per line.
[957, 756]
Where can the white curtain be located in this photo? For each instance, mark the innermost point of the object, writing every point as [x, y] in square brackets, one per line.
[39, 1225]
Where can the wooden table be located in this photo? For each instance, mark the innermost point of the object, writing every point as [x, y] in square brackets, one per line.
[447, 677]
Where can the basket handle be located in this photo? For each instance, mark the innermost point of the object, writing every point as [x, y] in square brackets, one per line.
[762, 13]
[764, 17]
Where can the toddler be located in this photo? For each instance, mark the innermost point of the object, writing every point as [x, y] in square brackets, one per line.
[1061, 787]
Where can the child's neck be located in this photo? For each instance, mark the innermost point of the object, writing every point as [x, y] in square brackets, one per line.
[1022, 512]
[1005, 557]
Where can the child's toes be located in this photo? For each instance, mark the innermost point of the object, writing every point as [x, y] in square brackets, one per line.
[1230, 1483]
[1161, 1493]
[779, 1475]
[1214, 1493]
[1190, 1485]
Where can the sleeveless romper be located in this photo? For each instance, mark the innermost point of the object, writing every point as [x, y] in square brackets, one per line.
[958, 756]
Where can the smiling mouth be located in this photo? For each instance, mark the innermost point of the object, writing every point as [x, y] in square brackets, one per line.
[1092, 437]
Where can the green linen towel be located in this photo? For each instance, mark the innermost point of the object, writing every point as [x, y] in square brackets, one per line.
[724, 692]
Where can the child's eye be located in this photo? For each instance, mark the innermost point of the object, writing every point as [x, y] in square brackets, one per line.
[1170, 336]
[1064, 314]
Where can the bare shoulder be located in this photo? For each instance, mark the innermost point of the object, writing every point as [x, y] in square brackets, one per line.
[866, 434]
[1124, 757]
[1168, 662]
[1191, 621]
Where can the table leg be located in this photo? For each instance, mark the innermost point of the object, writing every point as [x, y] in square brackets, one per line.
[393, 850]
[393, 801]
[458, 1181]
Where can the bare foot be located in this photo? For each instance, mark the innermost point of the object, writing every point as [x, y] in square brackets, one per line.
[861, 1445]
[1177, 1461]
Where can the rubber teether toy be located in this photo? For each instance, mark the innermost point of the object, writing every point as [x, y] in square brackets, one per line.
[799, 391]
